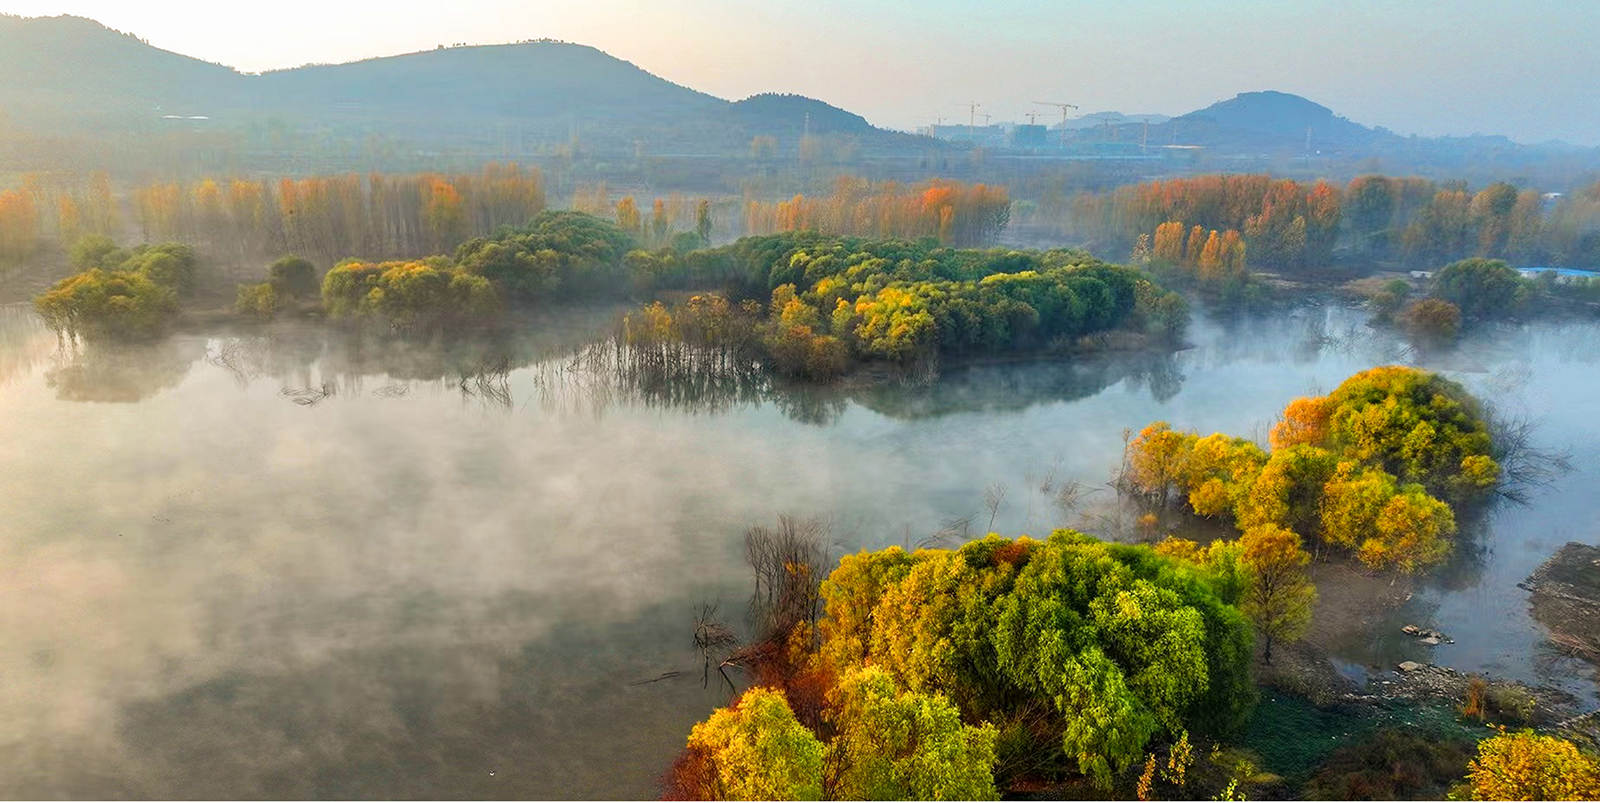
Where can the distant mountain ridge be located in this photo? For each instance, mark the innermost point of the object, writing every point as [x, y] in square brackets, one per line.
[71, 76]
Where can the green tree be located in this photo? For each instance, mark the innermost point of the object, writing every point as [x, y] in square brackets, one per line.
[1483, 289]
[702, 221]
[1112, 642]
[896, 745]
[757, 750]
[172, 265]
[93, 251]
[109, 305]
[293, 277]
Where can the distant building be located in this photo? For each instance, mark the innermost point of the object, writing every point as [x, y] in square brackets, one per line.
[1029, 136]
[1560, 275]
[1422, 274]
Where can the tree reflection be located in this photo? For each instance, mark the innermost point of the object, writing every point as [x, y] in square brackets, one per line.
[122, 373]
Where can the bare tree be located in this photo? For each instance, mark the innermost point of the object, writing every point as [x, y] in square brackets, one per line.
[954, 531]
[788, 564]
[993, 497]
[711, 636]
[1524, 466]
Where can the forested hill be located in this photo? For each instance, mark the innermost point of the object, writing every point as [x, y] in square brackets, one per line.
[793, 114]
[532, 80]
[59, 74]
[69, 75]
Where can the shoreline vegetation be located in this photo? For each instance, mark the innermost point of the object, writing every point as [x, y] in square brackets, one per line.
[1073, 666]
[803, 305]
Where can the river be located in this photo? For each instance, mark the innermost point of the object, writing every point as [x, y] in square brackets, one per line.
[291, 564]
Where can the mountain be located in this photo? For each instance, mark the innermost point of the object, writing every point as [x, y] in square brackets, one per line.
[94, 98]
[1271, 121]
[70, 72]
[70, 75]
[795, 114]
[527, 81]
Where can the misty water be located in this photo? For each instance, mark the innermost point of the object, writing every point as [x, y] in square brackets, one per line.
[290, 564]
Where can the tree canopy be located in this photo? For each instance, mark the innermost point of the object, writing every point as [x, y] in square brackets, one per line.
[1373, 466]
[1117, 643]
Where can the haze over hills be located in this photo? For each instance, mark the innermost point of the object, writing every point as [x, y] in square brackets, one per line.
[70, 76]
[1271, 120]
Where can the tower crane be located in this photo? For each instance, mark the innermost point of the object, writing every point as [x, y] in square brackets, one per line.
[1063, 107]
[972, 115]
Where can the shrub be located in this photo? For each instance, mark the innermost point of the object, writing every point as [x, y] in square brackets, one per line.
[169, 265]
[112, 305]
[1432, 320]
[293, 277]
[1392, 764]
[259, 301]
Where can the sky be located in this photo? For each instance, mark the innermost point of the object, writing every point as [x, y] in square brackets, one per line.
[1523, 68]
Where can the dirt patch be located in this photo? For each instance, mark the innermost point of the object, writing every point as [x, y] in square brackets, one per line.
[1305, 669]
[1566, 599]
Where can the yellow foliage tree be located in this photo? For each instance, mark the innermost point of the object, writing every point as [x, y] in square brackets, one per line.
[1524, 766]
[1278, 594]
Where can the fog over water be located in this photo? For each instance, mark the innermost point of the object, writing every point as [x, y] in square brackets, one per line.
[291, 564]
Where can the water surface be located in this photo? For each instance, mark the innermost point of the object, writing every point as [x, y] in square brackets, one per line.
[291, 564]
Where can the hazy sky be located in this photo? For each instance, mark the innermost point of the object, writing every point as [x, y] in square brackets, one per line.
[1526, 68]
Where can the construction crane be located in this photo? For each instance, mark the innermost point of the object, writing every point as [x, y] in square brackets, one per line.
[972, 115]
[1063, 107]
[1033, 117]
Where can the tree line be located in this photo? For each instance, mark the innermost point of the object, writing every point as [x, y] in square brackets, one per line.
[1293, 227]
[954, 213]
[324, 217]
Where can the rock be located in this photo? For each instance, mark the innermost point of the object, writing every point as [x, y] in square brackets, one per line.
[1410, 630]
[1409, 666]
[1430, 641]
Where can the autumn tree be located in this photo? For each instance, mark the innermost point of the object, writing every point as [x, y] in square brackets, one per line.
[702, 221]
[1432, 320]
[1278, 594]
[110, 305]
[19, 225]
[755, 750]
[1526, 766]
[1304, 421]
[1157, 460]
[898, 745]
